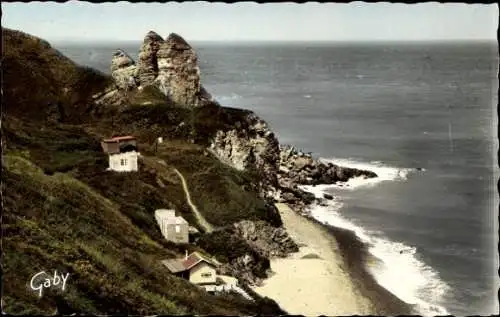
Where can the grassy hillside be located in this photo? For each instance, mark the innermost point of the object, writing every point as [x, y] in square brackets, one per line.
[64, 211]
[57, 222]
[38, 80]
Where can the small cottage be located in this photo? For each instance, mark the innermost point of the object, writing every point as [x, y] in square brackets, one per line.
[175, 229]
[196, 268]
[201, 271]
[122, 153]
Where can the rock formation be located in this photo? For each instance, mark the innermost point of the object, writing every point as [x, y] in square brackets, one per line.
[265, 239]
[171, 65]
[250, 145]
[124, 71]
[178, 71]
[147, 66]
[249, 268]
[299, 168]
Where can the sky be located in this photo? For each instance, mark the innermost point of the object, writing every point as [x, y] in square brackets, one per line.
[248, 21]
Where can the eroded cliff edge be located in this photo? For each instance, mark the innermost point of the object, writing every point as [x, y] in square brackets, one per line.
[169, 70]
[239, 137]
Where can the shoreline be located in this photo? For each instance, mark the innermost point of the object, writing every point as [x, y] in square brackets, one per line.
[354, 253]
[336, 283]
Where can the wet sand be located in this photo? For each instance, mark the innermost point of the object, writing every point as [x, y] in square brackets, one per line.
[336, 283]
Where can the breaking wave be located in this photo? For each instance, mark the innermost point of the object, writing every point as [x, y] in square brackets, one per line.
[395, 265]
[226, 98]
[384, 173]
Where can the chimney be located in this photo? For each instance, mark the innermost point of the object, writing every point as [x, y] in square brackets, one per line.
[185, 258]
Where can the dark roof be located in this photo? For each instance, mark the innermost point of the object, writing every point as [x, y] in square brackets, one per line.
[174, 265]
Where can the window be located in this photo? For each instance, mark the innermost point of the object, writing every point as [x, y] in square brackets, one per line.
[206, 274]
[123, 162]
[177, 229]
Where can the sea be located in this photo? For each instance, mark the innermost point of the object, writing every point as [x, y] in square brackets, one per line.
[421, 115]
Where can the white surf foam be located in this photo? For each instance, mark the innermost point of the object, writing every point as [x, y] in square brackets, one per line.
[384, 172]
[399, 270]
[232, 96]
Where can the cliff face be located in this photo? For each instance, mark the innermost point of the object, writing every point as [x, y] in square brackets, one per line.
[250, 145]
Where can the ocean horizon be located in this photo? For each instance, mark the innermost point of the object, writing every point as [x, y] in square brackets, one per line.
[66, 43]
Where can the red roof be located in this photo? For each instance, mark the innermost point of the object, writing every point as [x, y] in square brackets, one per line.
[194, 258]
[181, 265]
[120, 138]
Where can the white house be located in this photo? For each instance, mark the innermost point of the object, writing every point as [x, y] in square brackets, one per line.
[122, 153]
[175, 229]
[123, 162]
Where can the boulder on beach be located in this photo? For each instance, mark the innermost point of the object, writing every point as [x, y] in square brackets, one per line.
[328, 196]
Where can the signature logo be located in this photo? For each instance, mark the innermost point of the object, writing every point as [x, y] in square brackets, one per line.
[38, 283]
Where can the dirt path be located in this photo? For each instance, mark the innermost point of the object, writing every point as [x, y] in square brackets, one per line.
[201, 220]
[199, 217]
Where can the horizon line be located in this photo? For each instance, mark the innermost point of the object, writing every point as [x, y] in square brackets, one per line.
[284, 41]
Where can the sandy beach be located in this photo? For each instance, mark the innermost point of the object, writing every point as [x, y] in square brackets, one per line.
[313, 286]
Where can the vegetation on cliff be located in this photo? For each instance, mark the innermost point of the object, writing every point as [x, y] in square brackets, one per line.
[63, 211]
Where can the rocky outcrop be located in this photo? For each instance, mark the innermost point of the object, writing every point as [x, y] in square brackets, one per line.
[265, 239]
[178, 71]
[300, 168]
[147, 66]
[170, 64]
[250, 268]
[205, 96]
[283, 168]
[296, 198]
[266, 242]
[251, 145]
[124, 71]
